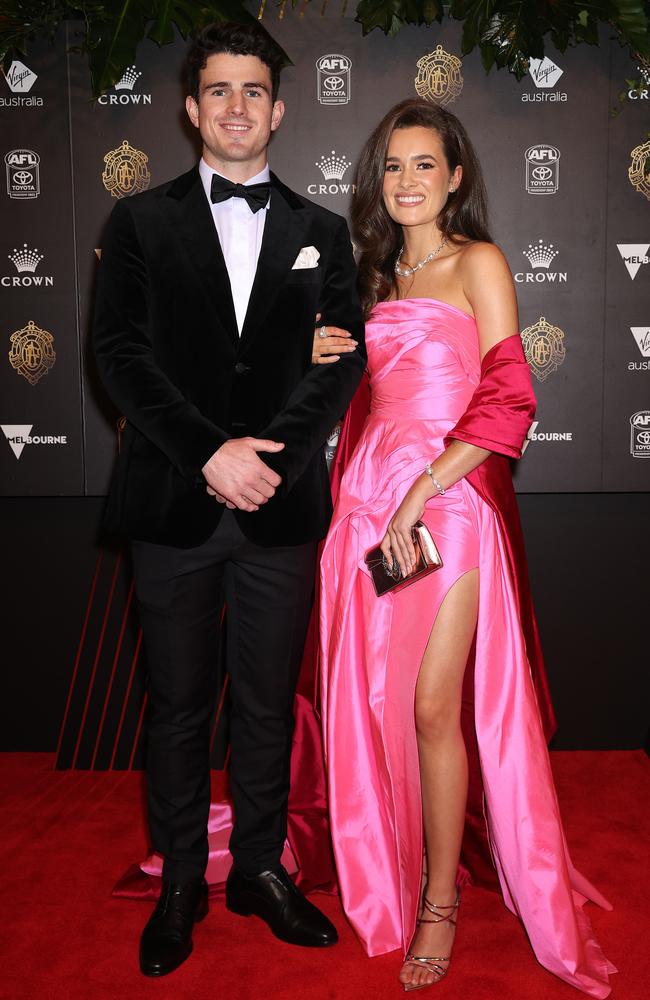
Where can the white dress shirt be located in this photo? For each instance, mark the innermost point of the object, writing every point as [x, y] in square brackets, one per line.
[240, 234]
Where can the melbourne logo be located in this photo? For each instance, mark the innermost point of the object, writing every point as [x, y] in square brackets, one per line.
[333, 79]
[552, 436]
[439, 78]
[23, 179]
[545, 74]
[634, 255]
[540, 256]
[26, 262]
[32, 352]
[126, 171]
[19, 435]
[333, 167]
[124, 90]
[544, 348]
[542, 169]
[639, 169]
[640, 434]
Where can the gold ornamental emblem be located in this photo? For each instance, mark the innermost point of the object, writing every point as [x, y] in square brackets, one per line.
[439, 78]
[32, 353]
[639, 169]
[126, 171]
[544, 348]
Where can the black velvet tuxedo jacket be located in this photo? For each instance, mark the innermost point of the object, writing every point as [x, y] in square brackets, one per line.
[172, 361]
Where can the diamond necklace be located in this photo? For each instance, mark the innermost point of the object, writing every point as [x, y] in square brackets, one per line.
[406, 271]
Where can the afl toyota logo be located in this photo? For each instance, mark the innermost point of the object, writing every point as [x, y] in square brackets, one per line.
[333, 79]
[542, 169]
[22, 173]
[640, 434]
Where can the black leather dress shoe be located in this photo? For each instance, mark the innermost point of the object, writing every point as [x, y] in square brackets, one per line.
[273, 897]
[167, 938]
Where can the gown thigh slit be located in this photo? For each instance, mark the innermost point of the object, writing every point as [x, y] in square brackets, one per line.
[424, 369]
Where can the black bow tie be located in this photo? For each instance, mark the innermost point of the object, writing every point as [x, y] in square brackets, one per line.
[256, 195]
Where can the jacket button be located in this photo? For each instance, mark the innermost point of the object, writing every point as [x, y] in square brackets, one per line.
[241, 368]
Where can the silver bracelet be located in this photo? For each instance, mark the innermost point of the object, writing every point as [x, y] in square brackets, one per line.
[429, 472]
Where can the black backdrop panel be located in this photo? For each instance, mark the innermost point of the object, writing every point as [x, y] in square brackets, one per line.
[626, 376]
[582, 315]
[40, 390]
[148, 113]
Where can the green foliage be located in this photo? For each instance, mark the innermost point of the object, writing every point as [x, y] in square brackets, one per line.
[391, 15]
[510, 32]
[507, 32]
[112, 30]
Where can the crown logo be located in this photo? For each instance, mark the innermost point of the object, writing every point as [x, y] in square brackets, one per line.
[131, 74]
[333, 167]
[644, 70]
[540, 254]
[25, 259]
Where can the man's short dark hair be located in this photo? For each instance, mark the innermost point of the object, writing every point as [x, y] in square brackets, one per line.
[236, 40]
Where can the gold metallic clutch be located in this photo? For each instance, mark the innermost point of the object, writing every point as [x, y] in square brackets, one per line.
[387, 578]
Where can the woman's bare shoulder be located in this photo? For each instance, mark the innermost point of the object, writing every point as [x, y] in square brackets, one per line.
[483, 266]
[478, 256]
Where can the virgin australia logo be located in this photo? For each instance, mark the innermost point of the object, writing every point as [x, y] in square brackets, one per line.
[333, 168]
[540, 256]
[641, 336]
[26, 262]
[545, 74]
[124, 90]
[20, 79]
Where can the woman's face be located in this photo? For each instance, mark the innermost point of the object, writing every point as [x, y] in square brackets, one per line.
[417, 178]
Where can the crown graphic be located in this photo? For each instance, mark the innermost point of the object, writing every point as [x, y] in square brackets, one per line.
[540, 254]
[333, 167]
[644, 70]
[131, 74]
[25, 259]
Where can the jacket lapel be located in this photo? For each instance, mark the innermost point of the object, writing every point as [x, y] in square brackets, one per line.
[283, 232]
[194, 223]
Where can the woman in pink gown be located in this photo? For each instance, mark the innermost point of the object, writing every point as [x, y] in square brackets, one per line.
[451, 403]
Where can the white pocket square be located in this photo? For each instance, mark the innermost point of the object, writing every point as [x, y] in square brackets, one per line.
[308, 257]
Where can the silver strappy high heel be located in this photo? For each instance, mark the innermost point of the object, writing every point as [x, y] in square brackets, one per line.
[432, 963]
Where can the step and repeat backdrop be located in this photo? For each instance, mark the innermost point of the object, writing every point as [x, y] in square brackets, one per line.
[567, 166]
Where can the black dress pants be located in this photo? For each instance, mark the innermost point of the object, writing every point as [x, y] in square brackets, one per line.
[180, 593]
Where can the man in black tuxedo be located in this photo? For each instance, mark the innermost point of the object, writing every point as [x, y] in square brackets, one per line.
[207, 295]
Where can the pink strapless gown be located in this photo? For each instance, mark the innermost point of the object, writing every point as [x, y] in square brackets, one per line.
[424, 365]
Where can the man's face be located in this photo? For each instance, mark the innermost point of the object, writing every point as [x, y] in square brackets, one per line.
[235, 114]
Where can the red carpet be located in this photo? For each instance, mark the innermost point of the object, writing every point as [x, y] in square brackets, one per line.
[69, 835]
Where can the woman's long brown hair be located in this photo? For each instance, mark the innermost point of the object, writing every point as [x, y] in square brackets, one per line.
[377, 237]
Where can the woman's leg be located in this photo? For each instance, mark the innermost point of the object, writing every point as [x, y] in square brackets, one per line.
[443, 763]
